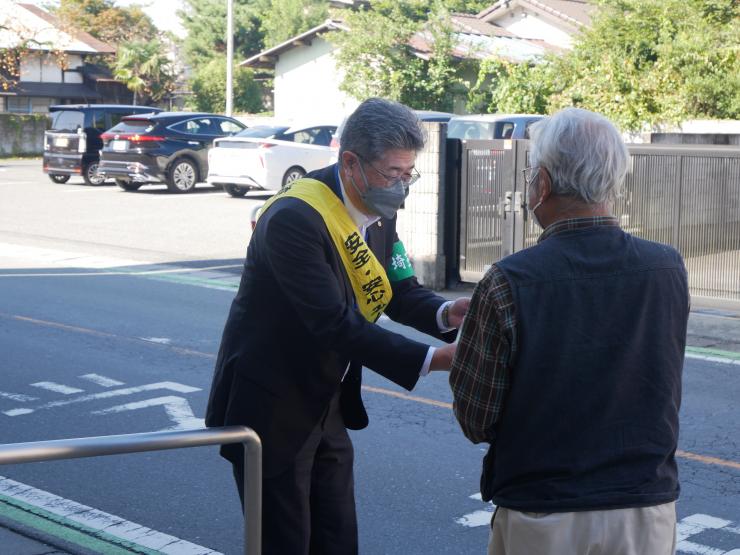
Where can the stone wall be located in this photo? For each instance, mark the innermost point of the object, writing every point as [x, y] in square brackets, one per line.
[22, 134]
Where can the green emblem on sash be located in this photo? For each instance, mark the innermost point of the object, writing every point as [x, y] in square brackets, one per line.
[400, 265]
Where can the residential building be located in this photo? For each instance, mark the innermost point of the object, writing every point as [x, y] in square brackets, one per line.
[515, 30]
[58, 65]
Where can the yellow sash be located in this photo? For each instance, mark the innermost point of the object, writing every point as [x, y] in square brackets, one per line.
[367, 276]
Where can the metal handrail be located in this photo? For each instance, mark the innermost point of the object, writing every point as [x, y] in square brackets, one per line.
[37, 451]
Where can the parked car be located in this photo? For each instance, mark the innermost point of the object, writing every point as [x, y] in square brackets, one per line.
[491, 126]
[269, 157]
[72, 144]
[168, 147]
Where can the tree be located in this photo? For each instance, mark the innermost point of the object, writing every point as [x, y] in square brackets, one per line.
[205, 23]
[377, 60]
[504, 86]
[145, 69]
[209, 85]
[106, 21]
[287, 18]
[648, 63]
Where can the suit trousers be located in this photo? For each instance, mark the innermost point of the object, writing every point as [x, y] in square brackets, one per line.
[310, 508]
[635, 531]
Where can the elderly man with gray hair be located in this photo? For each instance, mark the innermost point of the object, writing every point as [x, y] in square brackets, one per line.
[570, 359]
[323, 264]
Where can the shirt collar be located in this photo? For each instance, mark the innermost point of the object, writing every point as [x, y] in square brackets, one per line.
[577, 223]
[362, 220]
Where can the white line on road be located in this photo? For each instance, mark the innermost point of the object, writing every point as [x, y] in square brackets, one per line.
[100, 521]
[17, 397]
[177, 408]
[57, 388]
[172, 386]
[101, 380]
[711, 358]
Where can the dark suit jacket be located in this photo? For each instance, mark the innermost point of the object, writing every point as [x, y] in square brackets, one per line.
[293, 328]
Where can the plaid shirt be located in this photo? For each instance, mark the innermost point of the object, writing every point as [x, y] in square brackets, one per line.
[480, 375]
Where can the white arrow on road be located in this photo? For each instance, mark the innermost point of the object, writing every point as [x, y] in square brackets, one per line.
[177, 408]
[172, 386]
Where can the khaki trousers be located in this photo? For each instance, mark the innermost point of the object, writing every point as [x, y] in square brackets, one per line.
[638, 531]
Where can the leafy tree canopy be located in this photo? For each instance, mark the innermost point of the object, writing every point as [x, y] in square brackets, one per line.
[145, 69]
[640, 64]
[205, 23]
[106, 21]
[377, 60]
[209, 85]
[283, 19]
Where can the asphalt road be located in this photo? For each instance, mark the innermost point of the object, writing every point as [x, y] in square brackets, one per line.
[111, 308]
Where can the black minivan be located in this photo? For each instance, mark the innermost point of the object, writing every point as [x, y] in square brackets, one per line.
[72, 145]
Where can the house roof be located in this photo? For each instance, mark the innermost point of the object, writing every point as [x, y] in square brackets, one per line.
[44, 31]
[575, 12]
[54, 90]
[268, 58]
[475, 38]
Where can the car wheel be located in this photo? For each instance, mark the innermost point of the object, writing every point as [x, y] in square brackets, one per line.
[182, 176]
[57, 178]
[129, 186]
[91, 176]
[292, 174]
[235, 191]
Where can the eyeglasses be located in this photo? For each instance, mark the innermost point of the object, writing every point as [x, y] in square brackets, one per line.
[529, 173]
[407, 179]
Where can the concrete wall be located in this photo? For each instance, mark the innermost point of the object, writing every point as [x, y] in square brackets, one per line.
[421, 223]
[695, 138]
[22, 134]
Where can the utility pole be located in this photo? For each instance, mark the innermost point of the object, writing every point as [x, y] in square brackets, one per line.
[229, 57]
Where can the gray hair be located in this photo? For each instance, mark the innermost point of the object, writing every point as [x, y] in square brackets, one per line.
[379, 125]
[583, 153]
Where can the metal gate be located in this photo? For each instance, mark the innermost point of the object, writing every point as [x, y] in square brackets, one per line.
[687, 196]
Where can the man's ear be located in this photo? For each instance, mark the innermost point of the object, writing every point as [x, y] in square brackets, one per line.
[545, 184]
[347, 159]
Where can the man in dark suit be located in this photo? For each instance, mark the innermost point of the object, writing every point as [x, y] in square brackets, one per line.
[302, 326]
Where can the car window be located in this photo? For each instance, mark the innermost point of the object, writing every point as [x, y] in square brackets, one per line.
[262, 131]
[199, 126]
[67, 120]
[228, 127]
[503, 130]
[133, 126]
[115, 118]
[97, 120]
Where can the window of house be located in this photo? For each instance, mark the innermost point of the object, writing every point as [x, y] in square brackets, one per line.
[19, 104]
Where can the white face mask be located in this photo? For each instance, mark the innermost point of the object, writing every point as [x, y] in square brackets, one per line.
[534, 216]
[536, 206]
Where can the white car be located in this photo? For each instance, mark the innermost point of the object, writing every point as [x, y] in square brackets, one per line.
[268, 157]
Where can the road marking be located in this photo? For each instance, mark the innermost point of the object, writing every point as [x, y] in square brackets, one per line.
[707, 460]
[160, 340]
[88, 527]
[17, 397]
[101, 380]
[57, 388]
[683, 454]
[177, 408]
[172, 386]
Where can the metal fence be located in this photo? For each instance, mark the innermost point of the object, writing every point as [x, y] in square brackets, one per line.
[687, 196]
[158, 441]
